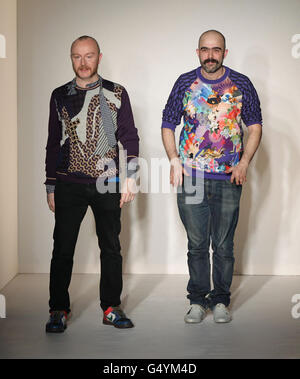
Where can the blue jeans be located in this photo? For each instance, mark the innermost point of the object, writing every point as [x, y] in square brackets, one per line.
[210, 215]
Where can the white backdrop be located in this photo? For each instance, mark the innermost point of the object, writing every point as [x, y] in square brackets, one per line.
[146, 45]
[8, 142]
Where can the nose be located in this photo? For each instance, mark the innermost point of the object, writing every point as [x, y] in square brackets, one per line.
[82, 61]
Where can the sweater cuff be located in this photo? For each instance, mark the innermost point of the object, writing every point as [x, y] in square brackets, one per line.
[168, 125]
[253, 122]
[50, 180]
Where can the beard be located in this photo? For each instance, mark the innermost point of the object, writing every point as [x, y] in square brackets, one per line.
[210, 69]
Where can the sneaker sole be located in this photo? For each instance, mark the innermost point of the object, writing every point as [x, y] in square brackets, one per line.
[56, 330]
[222, 321]
[192, 322]
[105, 322]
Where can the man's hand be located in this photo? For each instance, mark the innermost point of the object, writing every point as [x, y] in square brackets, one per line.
[128, 191]
[176, 169]
[50, 201]
[176, 172]
[239, 173]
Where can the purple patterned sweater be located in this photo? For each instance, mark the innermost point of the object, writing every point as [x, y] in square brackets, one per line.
[211, 139]
[76, 126]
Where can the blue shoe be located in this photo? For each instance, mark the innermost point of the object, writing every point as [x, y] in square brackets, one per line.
[57, 322]
[116, 317]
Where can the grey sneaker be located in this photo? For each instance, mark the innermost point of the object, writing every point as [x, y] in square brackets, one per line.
[195, 314]
[221, 313]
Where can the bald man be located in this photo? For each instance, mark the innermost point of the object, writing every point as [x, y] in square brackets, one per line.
[210, 168]
[88, 116]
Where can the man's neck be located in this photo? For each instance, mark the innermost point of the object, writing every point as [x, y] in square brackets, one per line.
[83, 83]
[213, 75]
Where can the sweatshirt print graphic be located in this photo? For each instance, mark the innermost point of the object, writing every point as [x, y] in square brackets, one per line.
[77, 147]
[211, 140]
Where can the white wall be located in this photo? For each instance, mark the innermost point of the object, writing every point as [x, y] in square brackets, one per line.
[8, 142]
[146, 46]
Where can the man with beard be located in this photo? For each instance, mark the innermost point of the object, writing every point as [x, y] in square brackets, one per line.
[88, 116]
[210, 177]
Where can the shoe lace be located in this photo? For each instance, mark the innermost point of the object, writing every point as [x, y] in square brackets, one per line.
[56, 316]
[119, 312]
[223, 308]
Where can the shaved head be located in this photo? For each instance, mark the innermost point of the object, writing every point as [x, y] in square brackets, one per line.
[83, 38]
[210, 33]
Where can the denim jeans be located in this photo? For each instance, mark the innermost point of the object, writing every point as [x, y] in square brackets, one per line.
[210, 216]
[71, 203]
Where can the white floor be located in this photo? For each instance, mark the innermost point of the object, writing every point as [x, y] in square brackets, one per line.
[263, 325]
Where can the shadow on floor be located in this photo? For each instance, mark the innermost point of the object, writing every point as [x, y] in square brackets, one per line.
[245, 287]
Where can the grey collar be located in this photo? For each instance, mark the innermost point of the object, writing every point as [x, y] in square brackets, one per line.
[72, 86]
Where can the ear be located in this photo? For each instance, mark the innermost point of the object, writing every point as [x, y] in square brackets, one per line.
[225, 53]
[198, 52]
[100, 57]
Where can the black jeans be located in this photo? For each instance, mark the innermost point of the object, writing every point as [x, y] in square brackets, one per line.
[71, 203]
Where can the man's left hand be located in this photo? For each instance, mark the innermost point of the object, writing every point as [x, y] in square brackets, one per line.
[239, 173]
[128, 191]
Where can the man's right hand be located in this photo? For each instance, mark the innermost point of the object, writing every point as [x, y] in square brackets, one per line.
[50, 201]
[176, 172]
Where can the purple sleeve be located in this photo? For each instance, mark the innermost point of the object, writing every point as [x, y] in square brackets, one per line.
[126, 131]
[53, 143]
[251, 111]
[174, 108]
